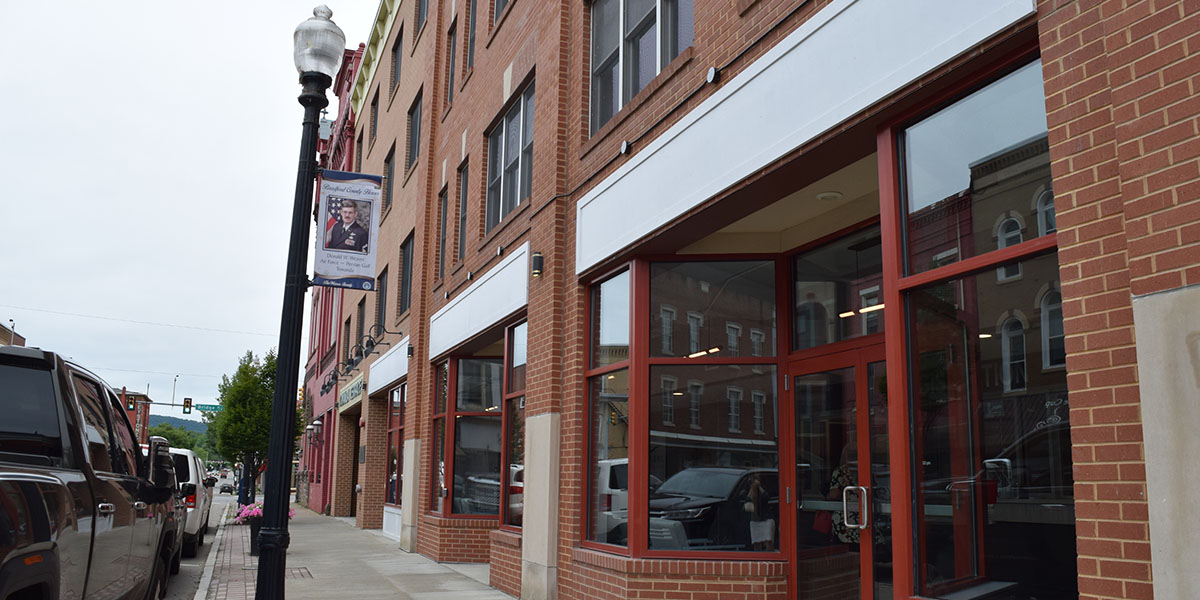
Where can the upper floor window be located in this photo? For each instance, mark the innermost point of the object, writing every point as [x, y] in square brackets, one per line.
[389, 176]
[695, 324]
[734, 395]
[666, 318]
[632, 40]
[374, 116]
[462, 212]
[1054, 353]
[397, 58]
[510, 159]
[422, 13]
[1009, 234]
[733, 339]
[381, 299]
[452, 45]
[1012, 349]
[669, 385]
[1045, 212]
[500, 4]
[406, 267]
[414, 132]
[471, 35]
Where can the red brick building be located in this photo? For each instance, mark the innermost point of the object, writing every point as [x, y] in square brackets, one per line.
[656, 278]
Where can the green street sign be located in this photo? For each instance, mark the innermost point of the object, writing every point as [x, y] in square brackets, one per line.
[210, 407]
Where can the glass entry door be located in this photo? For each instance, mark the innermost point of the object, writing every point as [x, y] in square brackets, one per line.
[843, 509]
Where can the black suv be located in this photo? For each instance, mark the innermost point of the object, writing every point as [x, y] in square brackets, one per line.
[82, 512]
[714, 505]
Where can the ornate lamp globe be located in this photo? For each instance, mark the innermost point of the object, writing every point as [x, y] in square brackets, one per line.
[318, 44]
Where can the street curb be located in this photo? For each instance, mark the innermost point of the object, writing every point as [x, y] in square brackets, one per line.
[211, 562]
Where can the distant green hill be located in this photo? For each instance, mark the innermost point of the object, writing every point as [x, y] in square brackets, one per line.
[196, 426]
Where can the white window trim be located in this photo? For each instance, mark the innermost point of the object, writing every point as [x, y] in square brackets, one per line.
[759, 401]
[694, 334]
[733, 336]
[695, 397]
[1002, 242]
[669, 386]
[733, 394]
[1006, 358]
[758, 341]
[1045, 323]
[1045, 209]
[666, 320]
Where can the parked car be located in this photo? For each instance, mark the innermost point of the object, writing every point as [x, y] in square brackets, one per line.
[612, 494]
[197, 495]
[227, 488]
[177, 517]
[710, 503]
[82, 513]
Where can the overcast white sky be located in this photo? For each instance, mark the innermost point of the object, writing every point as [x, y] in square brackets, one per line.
[150, 151]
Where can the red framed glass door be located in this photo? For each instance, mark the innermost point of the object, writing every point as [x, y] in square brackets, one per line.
[842, 544]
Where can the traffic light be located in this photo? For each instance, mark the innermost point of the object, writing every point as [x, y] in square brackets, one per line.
[300, 397]
[128, 400]
[187, 406]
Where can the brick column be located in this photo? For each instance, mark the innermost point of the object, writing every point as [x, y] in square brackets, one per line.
[1120, 81]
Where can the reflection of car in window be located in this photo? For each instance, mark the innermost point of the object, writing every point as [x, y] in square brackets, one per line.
[712, 504]
[612, 493]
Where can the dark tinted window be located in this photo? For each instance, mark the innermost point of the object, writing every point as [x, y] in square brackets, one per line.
[123, 437]
[95, 430]
[182, 472]
[30, 424]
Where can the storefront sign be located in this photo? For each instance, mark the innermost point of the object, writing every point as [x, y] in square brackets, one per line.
[348, 230]
[351, 393]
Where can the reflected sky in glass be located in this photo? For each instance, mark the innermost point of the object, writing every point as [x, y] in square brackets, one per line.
[940, 150]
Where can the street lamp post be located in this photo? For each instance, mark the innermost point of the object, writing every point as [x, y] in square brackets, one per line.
[318, 47]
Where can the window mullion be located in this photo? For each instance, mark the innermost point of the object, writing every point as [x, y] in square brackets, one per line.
[619, 101]
[659, 33]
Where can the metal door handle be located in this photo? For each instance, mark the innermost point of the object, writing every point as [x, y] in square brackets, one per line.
[106, 508]
[139, 505]
[862, 506]
[863, 517]
[846, 506]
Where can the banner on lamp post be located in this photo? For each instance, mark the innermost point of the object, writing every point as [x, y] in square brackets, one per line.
[347, 230]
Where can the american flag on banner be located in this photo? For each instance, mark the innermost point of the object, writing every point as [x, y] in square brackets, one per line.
[335, 213]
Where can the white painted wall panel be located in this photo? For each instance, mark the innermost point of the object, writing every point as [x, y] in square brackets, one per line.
[500, 292]
[390, 367]
[850, 55]
[391, 522]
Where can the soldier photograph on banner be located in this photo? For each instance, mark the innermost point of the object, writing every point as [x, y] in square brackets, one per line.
[347, 230]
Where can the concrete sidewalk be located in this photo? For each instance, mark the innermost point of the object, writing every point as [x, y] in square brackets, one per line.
[329, 558]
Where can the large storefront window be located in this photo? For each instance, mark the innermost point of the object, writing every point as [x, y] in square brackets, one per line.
[608, 503]
[994, 485]
[992, 473]
[714, 484]
[705, 475]
[838, 290]
[977, 174]
[395, 473]
[712, 309]
[477, 431]
[608, 397]
[514, 423]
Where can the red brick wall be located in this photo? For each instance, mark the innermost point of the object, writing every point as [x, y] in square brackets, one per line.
[1121, 105]
[455, 540]
[345, 452]
[373, 474]
[600, 576]
[505, 559]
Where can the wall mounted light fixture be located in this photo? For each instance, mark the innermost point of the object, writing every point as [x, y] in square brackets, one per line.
[536, 262]
[411, 351]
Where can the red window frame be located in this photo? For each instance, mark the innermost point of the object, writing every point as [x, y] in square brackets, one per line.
[445, 417]
[506, 487]
[395, 436]
[897, 285]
